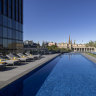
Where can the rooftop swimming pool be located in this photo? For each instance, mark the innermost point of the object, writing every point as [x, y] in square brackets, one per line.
[66, 75]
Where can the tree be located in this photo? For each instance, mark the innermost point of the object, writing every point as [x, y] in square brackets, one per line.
[91, 44]
[55, 49]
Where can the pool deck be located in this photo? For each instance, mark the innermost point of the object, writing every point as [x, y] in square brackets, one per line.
[15, 72]
[93, 59]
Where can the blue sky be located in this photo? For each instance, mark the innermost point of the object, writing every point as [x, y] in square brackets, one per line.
[54, 20]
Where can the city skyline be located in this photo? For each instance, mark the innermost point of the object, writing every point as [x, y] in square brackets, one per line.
[54, 20]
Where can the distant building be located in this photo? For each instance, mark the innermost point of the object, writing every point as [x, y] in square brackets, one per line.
[27, 42]
[51, 43]
[11, 25]
[62, 45]
[35, 48]
[73, 46]
[31, 44]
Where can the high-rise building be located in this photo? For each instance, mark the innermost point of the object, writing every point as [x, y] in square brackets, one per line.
[11, 25]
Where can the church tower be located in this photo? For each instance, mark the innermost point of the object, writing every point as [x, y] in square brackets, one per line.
[71, 42]
[74, 42]
[69, 39]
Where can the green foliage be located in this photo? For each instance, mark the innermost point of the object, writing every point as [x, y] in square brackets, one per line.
[54, 48]
[91, 44]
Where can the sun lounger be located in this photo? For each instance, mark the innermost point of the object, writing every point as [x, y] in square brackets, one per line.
[37, 56]
[30, 56]
[12, 60]
[22, 57]
[8, 61]
[16, 57]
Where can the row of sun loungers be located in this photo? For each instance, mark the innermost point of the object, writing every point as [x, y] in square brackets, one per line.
[12, 59]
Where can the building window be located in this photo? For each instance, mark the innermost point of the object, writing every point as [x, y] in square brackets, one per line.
[1, 6]
[9, 33]
[1, 31]
[10, 44]
[9, 23]
[5, 7]
[5, 43]
[17, 35]
[1, 43]
[1, 19]
[5, 21]
[17, 9]
[13, 34]
[13, 44]
[4, 32]
[14, 10]
[13, 24]
[9, 8]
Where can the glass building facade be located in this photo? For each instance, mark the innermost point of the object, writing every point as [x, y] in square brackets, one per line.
[11, 25]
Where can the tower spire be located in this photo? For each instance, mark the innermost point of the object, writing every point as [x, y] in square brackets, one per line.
[74, 42]
[69, 39]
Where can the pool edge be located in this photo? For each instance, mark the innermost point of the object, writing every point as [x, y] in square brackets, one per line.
[90, 58]
[8, 82]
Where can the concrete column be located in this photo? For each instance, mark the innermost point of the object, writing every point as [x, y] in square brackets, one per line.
[76, 49]
[90, 49]
[84, 49]
[81, 49]
[87, 49]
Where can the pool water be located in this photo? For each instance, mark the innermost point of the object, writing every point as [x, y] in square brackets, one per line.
[73, 75]
[67, 75]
